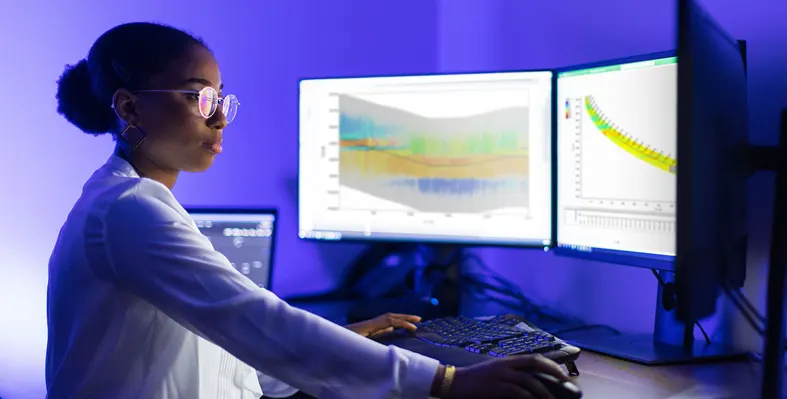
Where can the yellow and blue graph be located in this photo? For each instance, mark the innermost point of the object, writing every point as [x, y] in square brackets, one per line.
[453, 165]
[627, 143]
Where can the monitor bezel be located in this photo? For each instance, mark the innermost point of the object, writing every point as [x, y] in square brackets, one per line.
[469, 243]
[619, 257]
[191, 210]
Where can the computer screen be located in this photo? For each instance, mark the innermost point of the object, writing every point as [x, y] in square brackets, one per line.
[712, 185]
[245, 237]
[616, 160]
[462, 158]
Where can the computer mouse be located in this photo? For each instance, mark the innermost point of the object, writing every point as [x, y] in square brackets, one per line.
[559, 389]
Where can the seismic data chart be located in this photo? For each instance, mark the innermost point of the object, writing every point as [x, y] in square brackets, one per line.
[622, 154]
[394, 159]
[617, 157]
[642, 151]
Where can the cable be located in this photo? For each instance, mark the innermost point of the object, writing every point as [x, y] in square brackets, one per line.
[508, 289]
[740, 301]
[512, 291]
[697, 323]
[656, 274]
[743, 303]
[704, 334]
[741, 308]
[747, 304]
[750, 313]
[744, 306]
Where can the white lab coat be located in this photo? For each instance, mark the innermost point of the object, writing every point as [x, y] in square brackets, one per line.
[140, 305]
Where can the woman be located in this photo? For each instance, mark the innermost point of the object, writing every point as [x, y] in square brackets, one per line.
[139, 303]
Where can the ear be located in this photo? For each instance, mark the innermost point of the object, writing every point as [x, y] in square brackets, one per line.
[125, 106]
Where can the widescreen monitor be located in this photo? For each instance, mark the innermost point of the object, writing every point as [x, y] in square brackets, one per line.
[451, 158]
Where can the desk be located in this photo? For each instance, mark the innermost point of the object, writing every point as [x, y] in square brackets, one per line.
[603, 377]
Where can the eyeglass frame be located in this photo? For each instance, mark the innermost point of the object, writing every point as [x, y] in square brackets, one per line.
[219, 99]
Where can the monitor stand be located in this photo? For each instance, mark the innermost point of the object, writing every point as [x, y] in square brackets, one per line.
[671, 342]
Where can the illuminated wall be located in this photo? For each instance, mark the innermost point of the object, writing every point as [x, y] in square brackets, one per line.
[263, 51]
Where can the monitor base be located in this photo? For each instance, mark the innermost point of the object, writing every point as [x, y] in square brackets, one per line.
[672, 341]
[645, 350]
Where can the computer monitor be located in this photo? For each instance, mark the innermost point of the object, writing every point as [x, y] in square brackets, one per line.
[712, 145]
[451, 158]
[245, 236]
[667, 185]
[617, 160]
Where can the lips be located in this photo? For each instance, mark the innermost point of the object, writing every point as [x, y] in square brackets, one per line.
[213, 146]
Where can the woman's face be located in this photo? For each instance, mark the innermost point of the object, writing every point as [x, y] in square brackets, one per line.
[177, 136]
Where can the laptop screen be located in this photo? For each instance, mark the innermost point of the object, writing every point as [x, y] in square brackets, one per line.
[245, 237]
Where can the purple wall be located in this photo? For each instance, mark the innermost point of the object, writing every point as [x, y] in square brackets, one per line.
[263, 51]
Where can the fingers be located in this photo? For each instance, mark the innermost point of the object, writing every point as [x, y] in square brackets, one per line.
[406, 317]
[538, 364]
[402, 321]
[383, 331]
[398, 323]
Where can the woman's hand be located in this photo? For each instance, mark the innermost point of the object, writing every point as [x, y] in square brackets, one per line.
[383, 324]
[510, 377]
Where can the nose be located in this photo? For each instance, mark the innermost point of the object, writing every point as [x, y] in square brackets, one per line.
[217, 121]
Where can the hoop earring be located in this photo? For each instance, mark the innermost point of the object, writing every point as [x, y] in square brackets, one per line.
[124, 135]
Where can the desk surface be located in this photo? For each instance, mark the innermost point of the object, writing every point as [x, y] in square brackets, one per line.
[608, 378]
[603, 377]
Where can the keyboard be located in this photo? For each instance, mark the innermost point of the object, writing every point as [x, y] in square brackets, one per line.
[463, 341]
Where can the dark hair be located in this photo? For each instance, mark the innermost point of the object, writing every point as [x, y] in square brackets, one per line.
[126, 56]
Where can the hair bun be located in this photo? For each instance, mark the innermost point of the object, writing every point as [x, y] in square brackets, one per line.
[77, 103]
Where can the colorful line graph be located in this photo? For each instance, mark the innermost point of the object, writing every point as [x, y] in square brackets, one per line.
[463, 163]
[460, 164]
[429, 150]
[627, 142]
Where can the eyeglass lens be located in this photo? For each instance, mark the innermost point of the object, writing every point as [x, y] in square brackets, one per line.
[209, 102]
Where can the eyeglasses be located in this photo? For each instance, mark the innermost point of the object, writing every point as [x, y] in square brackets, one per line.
[209, 101]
